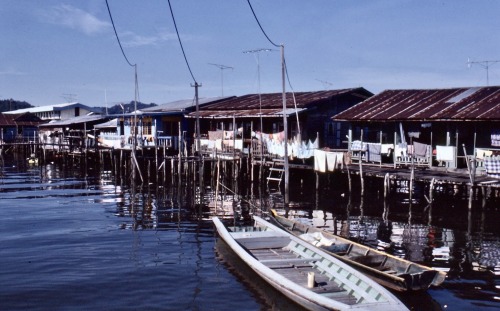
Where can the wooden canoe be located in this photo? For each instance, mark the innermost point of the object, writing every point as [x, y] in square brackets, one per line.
[302, 272]
[390, 271]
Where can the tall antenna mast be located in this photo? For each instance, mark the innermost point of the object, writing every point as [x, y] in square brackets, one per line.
[69, 98]
[257, 58]
[221, 67]
[325, 83]
[485, 64]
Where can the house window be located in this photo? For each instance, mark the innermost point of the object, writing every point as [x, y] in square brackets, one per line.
[170, 128]
[77, 111]
[146, 128]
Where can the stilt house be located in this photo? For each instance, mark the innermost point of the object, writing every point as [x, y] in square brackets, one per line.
[21, 127]
[249, 116]
[163, 125]
[426, 127]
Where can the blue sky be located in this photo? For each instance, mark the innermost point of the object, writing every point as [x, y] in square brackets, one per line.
[52, 48]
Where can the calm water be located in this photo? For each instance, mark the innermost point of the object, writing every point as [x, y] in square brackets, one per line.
[70, 242]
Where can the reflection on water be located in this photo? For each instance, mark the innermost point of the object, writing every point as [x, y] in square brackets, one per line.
[80, 230]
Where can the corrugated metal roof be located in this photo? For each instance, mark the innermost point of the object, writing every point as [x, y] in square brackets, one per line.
[181, 105]
[75, 120]
[22, 119]
[49, 108]
[110, 124]
[271, 104]
[247, 113]
[478, 103]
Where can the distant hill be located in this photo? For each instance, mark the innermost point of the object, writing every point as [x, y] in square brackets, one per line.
[11, 104]
[117, 109]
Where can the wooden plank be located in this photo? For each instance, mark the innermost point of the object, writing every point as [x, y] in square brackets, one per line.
[264, 242]
[273, 178]
[291, 260]
[341, 297]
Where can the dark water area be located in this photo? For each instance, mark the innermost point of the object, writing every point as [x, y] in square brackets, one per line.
[73, 239]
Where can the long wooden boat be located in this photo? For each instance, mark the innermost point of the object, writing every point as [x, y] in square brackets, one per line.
[390, 271]
[302, 272]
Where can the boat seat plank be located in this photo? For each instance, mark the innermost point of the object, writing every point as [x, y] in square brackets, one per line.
[323, 283]
[290, 260]
[255, 234]
[341, 297]
[273, 252]
[329, 288]
[278, 263]
[369, 260]
[264, 242]
[386, 269]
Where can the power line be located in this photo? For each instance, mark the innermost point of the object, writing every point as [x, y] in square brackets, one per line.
[117, 38]
[180, 42]
[293, 95]
[254, 15]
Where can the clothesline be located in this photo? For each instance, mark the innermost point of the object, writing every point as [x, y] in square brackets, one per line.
[296, 149]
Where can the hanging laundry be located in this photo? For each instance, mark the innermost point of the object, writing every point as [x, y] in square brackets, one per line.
[445, 153]
[331, 161]
[319, 161]
[420, 149]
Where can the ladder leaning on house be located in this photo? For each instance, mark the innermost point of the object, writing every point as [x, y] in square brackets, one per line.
[276, 173]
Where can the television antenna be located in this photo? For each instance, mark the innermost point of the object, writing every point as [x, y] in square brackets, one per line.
[69, 98]
[222, 67]
[485, 64]
[325, 83]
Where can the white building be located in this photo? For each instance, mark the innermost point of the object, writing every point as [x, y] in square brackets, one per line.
[58, 112]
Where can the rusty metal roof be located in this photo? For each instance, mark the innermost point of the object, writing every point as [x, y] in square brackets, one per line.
[181, 105]
[20, 119]
[456, 104]
[246, 113]
[271, 104]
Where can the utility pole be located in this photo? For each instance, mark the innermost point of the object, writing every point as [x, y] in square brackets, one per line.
[285, 126]
[221, 67]
[197, 126]
[198, 144]
[485, 64]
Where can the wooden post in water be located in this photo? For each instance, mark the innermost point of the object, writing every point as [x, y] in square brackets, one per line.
[149, 169]
[172, 170]
[412, 176]
[234, 151]
[250, 153]
[361, 167]
[217, 185]
[156, 158]
[179, 159]
[386, 185]
[285, 127]
[120, 167]
[317, 180]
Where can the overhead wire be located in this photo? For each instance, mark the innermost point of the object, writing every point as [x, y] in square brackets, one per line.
[293, 95]
[286, 69]
[136, 83]
[180, 42]
[116, 34]
[262, 29]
